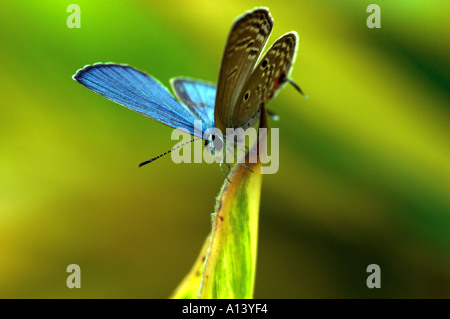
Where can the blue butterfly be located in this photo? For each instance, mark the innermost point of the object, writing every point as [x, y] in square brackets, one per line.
[142, 93]
[243, 89]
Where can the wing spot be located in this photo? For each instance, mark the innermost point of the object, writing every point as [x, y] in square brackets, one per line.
[264, 63]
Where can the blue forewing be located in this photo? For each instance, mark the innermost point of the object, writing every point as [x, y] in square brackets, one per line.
[142, 93]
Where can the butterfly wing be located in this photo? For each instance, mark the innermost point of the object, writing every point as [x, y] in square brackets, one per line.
[268, 77]
[245, 43]
[199, 97]
[137, 91]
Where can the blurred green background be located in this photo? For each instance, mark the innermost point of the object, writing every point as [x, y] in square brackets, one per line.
[364, 163]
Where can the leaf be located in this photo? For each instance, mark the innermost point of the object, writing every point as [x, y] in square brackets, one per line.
[188, 288]
[226, 265]
[229, 269]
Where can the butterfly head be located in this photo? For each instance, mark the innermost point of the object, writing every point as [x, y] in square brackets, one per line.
[214, 144]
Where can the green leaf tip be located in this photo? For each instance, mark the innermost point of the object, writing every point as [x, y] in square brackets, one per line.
[228, 257]
[229, 269]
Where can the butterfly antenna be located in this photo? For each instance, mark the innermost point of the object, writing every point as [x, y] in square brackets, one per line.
[173, 149]
[297, 88]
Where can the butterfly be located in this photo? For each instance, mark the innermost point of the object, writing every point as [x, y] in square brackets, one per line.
[246, 83]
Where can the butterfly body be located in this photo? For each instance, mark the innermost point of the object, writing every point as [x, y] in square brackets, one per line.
[246, 83]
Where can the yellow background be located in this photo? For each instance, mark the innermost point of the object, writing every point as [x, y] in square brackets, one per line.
[364, 172]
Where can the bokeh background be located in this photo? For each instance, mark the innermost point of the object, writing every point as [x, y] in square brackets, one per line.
[364, 163]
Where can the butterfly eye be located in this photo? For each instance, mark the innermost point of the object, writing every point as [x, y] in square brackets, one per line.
[264, 63]
[246, 96]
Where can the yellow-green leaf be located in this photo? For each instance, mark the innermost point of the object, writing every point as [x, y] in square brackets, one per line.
[188, 288]
[229, 269]
[226, 265]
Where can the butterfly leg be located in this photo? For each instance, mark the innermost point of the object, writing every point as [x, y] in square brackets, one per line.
[243, 164]
[223, 172]
[237, 160]
[244, 148]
